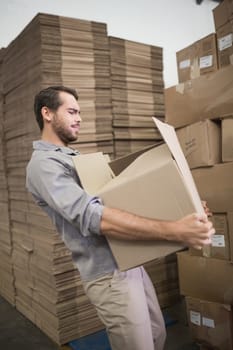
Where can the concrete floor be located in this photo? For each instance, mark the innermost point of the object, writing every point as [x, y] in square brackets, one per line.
[18, 333]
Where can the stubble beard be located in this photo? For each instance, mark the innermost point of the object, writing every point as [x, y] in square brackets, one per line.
[65, 135]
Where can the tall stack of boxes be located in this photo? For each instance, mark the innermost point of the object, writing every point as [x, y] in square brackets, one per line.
[223, 19]
[85, 66]
[201, 110]
[137, 94]
[7, 289]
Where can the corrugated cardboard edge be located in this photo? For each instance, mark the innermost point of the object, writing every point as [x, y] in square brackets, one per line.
[168, 133]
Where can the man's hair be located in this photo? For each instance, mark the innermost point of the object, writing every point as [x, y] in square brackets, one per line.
[50, 98]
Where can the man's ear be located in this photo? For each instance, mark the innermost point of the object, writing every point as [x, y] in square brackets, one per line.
[47, 114]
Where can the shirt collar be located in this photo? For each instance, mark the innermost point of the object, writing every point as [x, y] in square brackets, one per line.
[46, 146]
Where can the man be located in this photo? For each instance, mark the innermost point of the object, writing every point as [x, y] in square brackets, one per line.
[125, 301]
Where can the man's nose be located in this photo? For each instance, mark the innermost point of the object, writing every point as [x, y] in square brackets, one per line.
[78, 118]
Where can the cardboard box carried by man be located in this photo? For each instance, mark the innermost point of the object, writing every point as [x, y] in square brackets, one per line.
[156, 184]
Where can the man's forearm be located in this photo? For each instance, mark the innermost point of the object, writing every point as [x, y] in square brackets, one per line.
[121, 224]
[193, 230]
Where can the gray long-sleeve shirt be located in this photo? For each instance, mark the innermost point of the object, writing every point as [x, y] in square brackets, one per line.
[55, 186]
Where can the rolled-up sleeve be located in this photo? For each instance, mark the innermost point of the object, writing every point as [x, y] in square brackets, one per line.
[52, 185]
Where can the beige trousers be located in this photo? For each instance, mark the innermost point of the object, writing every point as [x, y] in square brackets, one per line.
[127, 305]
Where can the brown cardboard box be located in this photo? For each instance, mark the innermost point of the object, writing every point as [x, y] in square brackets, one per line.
[227, 139]
[215, 185]
[207, 54]
[207, 142]
[206, 97]
[230, 229]
[225, 44]
[222, 13]
[201, 143]
[197, 59]
[205, 278]
[220, 246]
[210, 323]
[153, 185]
[187, 62]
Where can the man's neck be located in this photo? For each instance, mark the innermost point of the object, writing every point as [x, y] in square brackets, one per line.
[52, 138]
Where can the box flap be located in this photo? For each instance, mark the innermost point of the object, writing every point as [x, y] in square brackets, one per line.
[168, 133]
[151, 159]
[119, 164]
[91, 164]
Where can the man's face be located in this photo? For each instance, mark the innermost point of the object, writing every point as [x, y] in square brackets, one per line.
[66, 120]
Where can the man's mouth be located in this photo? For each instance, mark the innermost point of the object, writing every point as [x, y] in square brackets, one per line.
[76, 127]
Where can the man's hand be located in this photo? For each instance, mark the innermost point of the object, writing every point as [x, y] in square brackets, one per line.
[195, 230]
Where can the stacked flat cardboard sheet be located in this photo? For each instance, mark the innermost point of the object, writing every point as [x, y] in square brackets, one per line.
[48, 286]
[74, 53]
[125, 146]
[86, 67]
[137, 92]
[49, 290]
[6, 266]
[90, 147]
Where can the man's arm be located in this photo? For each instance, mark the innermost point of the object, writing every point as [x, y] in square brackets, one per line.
[48, 179]
[193, 230]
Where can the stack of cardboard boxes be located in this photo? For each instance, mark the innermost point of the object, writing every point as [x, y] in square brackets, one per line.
[201, 110]
[7, 289]
[223, 19]
[211, 52]
[137, 94]
[85, 66]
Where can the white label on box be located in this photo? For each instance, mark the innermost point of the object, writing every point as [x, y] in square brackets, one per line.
[184, 64]
[195, 317]
[225, 42]
[218, 241]
[208, 322]
[206, 61]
